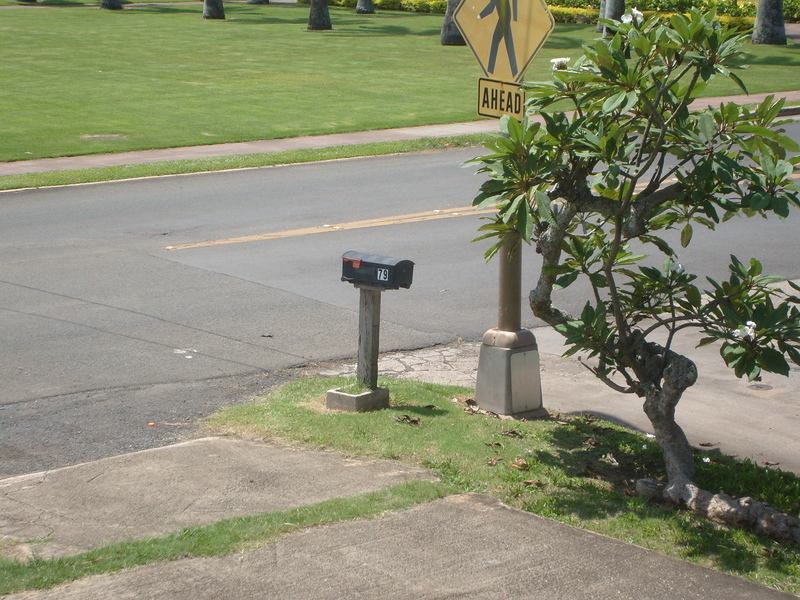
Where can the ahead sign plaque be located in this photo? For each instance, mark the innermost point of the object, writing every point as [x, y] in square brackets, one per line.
[498, 98]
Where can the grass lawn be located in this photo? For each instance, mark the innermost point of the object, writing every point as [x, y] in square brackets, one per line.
[83, 81]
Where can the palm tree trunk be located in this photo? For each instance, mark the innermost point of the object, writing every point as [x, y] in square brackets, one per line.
[770, 27]
[451, 36]
[213, 9]
[319, 17]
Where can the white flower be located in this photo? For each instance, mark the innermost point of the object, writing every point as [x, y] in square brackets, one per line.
[746, 332]
[706, 459]
[632, 16]
[644, 446]
[675, 267]
[560, 64]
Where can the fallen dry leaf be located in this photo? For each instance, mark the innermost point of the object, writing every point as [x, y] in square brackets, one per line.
[533, 482]
[407, 419]
[495, 445]
[520, 463]
[513, 433]
[609, 458]
[493, 461]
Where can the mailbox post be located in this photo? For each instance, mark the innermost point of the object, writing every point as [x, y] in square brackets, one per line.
[371, 274]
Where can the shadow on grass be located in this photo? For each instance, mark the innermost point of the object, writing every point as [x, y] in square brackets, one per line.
[427, 411]
[570, 37]
[771, 59]
[350, 27]
[54, 3]
[597, 453]
[604, 463]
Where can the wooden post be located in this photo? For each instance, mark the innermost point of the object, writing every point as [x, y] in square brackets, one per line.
[369, 326]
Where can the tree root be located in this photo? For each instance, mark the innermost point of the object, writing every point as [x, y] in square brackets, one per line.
[738, 512]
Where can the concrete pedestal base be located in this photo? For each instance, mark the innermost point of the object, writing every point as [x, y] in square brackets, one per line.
[366, 401]
[509, 382]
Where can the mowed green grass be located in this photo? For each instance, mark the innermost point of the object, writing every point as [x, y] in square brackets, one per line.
[163, 77]
[81, 80]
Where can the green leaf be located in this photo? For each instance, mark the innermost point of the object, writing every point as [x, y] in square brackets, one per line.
[693, 296]
[525, 222]
[686, 235]
[543, 207]
[773, 361]
[614, 102]
[565, 280]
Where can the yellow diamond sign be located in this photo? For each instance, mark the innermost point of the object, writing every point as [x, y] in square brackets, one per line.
[504, 35]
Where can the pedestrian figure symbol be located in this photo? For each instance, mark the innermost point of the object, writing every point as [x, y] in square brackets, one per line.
[506, 12]
[515, 28]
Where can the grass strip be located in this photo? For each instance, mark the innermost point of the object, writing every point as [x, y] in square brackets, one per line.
[224, 537]
[575, 469]
[243, 161]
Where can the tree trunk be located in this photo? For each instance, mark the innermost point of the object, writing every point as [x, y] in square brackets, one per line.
[365, 7]
[679, 374]
[600, 15]
[770, 27]
[213, 9]
[614, 9]
[659, 405]
[739, 512]
[451, 36]
[111, 4]
[319, 17]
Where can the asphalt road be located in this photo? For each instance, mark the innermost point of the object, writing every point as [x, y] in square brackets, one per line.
[106, 329]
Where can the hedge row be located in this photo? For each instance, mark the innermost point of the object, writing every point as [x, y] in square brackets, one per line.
[732, 8]
[731, 12]
[425, 6]
[587, 15]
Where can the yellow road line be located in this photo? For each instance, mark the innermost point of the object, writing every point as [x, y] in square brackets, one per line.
[429, 215]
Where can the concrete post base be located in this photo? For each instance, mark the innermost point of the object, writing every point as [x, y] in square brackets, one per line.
[366, 401]
[509, 382]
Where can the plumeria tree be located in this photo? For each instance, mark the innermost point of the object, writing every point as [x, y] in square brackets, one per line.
[596, 187]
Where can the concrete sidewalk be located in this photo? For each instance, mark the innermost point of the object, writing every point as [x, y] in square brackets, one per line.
[461, 547]
[300, 143]
[467, 546]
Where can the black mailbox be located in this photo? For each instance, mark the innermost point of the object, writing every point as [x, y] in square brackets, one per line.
[372, 270]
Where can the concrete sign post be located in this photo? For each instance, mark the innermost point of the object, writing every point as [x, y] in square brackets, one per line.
[508, 381]
[504, 36]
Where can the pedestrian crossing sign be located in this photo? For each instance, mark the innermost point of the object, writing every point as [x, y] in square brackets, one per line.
[504, 35]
